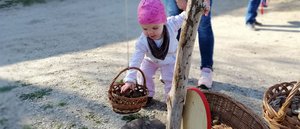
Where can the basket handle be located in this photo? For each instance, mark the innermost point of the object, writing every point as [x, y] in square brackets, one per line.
[282, 110]
[128, 68]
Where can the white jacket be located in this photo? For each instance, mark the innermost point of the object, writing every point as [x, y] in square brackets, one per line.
[142, 50]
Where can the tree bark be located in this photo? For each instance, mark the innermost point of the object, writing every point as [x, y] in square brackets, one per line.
[175, 102]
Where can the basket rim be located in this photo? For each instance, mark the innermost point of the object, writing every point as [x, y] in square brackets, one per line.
[267, 92]
[131, 99]
[125, 69]
[113, 98]
[273, 117]
[240, 105]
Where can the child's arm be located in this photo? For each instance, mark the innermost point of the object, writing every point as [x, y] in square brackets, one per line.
[175, 22]
[136, 60]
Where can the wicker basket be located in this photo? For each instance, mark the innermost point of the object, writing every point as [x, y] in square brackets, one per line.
[279, 119]
[233, 113]
[126, 105]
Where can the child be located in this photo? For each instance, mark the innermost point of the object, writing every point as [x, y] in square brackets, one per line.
[156, 47]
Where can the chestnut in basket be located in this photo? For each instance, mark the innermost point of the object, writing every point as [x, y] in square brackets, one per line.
[138, 91]
[217, 124]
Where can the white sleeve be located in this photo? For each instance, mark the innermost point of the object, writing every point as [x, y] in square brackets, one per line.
[136, 60]
[176, 21]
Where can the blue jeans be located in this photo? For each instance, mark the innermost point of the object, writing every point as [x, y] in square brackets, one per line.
[252, 11]
[205, 34]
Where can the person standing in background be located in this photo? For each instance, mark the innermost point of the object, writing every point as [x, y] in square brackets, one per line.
[251, 14]
[205, 38]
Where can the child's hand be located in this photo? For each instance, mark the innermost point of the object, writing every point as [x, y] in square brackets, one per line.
[126, 86]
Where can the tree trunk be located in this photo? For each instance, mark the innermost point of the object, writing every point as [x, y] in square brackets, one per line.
[188, 34]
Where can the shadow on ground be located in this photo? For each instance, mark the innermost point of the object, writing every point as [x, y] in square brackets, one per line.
[281, 28]
[21, 101]
[234, 89]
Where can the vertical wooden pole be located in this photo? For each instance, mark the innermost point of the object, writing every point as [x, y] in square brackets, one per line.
[175, 102]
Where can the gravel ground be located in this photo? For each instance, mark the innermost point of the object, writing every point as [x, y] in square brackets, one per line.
[58, 59]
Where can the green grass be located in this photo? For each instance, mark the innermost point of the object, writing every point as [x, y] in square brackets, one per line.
[93, 117]
[133, 117]
[50, 105]
[2, 121]
[61, 104]
[36, 95]
[7, 88]
[25, 84]
[10, 3]
[59, 126]
[22, 83]
[72, 126]
[28, 127]
[47, 106]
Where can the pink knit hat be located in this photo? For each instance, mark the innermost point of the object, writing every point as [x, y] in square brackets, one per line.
[151, 12]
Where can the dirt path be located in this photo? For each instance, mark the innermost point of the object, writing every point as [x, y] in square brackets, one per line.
[69, 51]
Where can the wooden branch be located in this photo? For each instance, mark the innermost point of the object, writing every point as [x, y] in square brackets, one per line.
[175, 102]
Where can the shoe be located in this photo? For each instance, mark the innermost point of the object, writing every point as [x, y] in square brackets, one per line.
[149, 102]
[164, 107]
[258, 23]
[205, 81]
[251, 26]
[265, 5]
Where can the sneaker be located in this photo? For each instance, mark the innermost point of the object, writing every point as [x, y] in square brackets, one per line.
[205, 81]
[258, 23]
[265, 5]
[251, 26]
[149, 102]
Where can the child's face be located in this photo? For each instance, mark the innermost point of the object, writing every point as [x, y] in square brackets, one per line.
[153, 31]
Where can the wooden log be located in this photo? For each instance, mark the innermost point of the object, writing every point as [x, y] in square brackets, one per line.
[175, 101]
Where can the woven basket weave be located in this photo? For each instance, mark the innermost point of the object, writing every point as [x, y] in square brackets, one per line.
[233, 113]
[125, 105]
[279, 119]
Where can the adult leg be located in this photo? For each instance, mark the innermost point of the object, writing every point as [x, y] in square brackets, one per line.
[206, 41]
[206, 37]
[252, 11]
[172, 10]
[171, 7]
[206, 48]
[149, 68]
